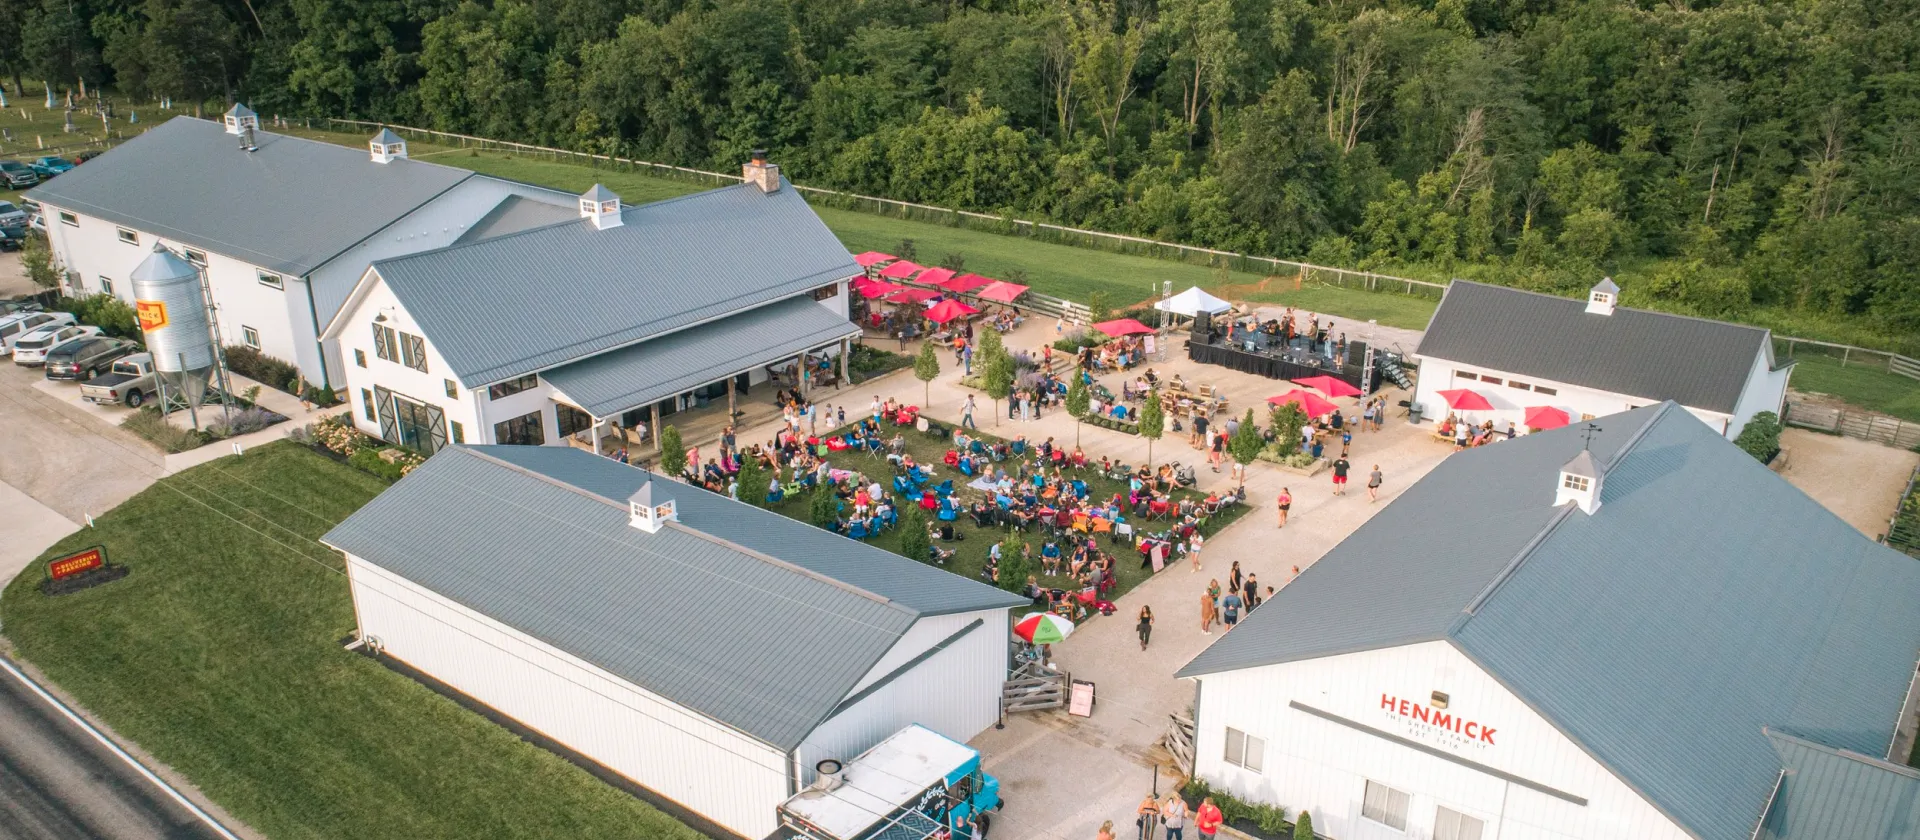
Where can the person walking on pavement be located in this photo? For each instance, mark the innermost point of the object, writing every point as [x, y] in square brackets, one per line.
[1373, 484]
[1106, 831]
[966, 414]
[1207, 612]
[1208, 819]
[1286, 503]
[1173, 815]
[1231, 606]
[1146, 815]
[1340, 468]
[1146, 625]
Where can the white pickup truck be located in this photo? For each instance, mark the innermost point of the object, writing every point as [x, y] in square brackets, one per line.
[130, 382]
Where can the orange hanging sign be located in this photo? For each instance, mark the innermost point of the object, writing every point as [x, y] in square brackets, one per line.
[152, 314]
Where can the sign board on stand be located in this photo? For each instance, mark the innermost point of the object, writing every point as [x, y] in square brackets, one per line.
[1080, 701]
[79, 570]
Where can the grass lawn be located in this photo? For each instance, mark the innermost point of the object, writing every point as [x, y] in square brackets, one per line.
[1861, 383]
[970, 555]
[221, 655]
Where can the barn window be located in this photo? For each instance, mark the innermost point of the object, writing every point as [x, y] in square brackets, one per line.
[360, 358]
[1244, 750]
[128, 236]
[385, 344]
[524, 431]
[513, 386]
[1385, 805]
[1490, 380]
[459, 432]
[1461, 374]
[69, 219]
[827, 292]
[198, 258]
[1449, 824]
[271, 280]
[366, 405]
[413, 351]
[251, 336]
[1577, 483]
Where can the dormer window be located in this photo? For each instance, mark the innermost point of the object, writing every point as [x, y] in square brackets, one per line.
[1576, 483]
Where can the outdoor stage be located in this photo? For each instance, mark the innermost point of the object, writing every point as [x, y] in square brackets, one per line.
[1278, 362]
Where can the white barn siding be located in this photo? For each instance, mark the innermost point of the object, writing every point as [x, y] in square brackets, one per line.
[726, 776]
[1511, 404]
[1322, 766]
[955, 692]
[1766, 391]
[356, 336]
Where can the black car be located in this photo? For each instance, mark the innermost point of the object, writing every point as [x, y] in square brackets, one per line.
[84, 358]
[12, 238]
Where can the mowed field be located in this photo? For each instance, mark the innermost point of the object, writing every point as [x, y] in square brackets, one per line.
[221, 655]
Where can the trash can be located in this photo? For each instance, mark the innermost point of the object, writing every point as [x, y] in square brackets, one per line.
[1413, 413]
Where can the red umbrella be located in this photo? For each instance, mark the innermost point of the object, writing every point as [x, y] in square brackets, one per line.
[1311, 403]
[1546, 417]
[934, 276]
[877, 288]
[873, 258]
[913, 296]
[1123, 326]
[1461, 399]
[966, 283]
[1002, 291]
[900, 270]
[1328, 385]
[948, 310]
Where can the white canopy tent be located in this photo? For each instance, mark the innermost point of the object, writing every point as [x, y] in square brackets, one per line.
[1193, 302]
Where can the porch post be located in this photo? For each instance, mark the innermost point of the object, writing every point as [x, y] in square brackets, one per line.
[732, 410]
[656, 428]
[800, 373]
[846, 349]
[595, 434]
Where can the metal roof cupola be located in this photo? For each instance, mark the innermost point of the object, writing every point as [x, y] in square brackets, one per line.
[1580, 483]
[1602, 297]
[600, 206]
[387, 147]
[758, 172]
[241, 119]
[649, 514]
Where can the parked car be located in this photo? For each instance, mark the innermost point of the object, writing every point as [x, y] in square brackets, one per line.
[17, 175]
[12, 215]
[16, 326]
[12, 238]
[47, 167]
[83, 157]
[131, 382]
[10, 307]
[85, 358]
[31, 349]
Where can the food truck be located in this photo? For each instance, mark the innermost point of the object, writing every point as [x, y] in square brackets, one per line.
[915, 785]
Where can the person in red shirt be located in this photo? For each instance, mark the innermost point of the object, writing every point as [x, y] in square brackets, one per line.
[1208, 818]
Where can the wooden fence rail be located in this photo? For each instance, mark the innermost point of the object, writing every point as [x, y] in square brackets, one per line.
[1865, 425]
[1032, 688]
[1179, 741]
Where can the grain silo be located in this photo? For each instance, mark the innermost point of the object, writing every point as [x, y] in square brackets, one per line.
[172, 309]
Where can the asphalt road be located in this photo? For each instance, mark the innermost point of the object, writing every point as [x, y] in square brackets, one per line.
[58, 783]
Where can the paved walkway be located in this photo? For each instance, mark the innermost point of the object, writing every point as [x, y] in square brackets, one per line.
[1062, 776]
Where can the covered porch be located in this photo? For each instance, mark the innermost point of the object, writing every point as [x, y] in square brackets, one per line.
[701, 378]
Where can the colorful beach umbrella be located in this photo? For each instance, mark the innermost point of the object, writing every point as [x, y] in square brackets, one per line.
[1311, 403]
[1043, 628]
[1546, 417]
[1328, 385]
[1462, 399]
[948, 310]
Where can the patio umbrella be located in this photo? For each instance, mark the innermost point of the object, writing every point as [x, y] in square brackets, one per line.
[877, 288]
[1546, 417]
[1328, 385]
[1043, 628]
[935, 276]
[1001, 291]
[948, 310]
[912, 296]
[901, 270]
[1461, 399]
[1123, 326]
[1311, 403]
[873, 258]
[966, 283]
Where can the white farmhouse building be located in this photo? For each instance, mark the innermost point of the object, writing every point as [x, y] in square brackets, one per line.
[709, 651]
[283, 226]
[1657, 638]
[1522, 349]
[617, 316]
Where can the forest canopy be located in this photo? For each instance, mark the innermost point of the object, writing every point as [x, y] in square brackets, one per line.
[1730, 155]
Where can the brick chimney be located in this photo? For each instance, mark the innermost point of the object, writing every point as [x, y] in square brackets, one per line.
[760, 173]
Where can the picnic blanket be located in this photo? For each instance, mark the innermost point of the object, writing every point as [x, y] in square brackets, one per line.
[984, 483]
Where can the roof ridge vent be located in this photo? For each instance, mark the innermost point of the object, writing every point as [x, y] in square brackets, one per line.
[650, 515]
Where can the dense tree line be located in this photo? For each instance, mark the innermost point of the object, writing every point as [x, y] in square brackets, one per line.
[1727, 155]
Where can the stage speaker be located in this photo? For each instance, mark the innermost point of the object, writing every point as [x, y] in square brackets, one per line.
[1202, 331]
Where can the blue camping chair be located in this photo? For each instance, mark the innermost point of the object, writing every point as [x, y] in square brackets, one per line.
[945, 489]
[1019, 447]
[858, 530]
[966, 467]
[979, 448]
[948, 510]
[1079, 488]
[890, 518]
[902, 485]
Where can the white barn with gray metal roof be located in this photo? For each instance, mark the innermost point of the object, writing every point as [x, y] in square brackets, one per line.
[1654, 638]
[610, 318]
[283, 226]
[1522, 349]
[708, 651]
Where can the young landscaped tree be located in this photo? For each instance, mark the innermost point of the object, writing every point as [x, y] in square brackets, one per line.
[1098, 309]
[673, 453]
[1303, 827]
[1245, 445]
[1078, 401]
[987, 348]
[823, 507]
[1153, 422]
[1014, 569]
[913, 534]
[753, 480]
[926, 368]
[998, 381]
[1288, 420]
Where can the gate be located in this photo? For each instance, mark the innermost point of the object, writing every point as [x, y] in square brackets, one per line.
[1033, 688]
[1179, 742]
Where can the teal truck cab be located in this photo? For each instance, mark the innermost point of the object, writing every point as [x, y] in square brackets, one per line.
[915, 785]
